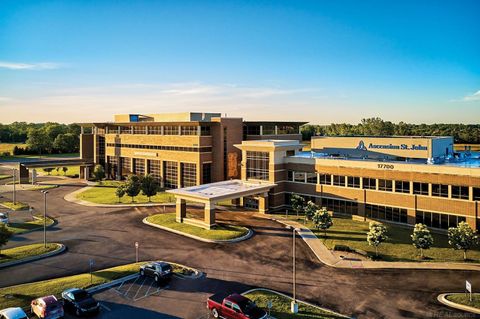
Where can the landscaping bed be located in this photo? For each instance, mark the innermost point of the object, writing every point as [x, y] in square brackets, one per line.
[22, 295]
[464, 299]
[220, 232]
[37, 223]
[22, 252]
[353, 234]
[104, 194]
[281, 306]
[17, 206]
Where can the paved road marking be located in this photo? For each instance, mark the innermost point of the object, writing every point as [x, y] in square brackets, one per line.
[155, 292]
[140, 288]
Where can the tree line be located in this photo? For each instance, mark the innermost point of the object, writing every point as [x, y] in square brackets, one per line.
[41, 138]
[462, 133]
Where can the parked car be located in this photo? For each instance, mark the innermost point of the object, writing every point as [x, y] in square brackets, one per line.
[48, 307]
[79, 302]
[13, 313]
[160, 271]
[4, 218]
[234, 306]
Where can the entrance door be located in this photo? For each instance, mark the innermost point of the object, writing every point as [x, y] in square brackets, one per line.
[250, 202]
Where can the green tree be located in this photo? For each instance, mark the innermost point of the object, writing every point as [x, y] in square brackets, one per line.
[310, 210]
[421, 238]
[322, 220]
[5, 235]
[462, 237]
[298, 203]
[48, 170]
[66, 143]
[98, 172]
[64, 169]
[376, 235]
[149, 186]
[38, 141]
[132, 186]
[119, 192]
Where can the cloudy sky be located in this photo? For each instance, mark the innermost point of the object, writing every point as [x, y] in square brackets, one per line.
[317, 61]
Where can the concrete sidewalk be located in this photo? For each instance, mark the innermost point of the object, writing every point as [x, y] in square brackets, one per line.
[327, 257]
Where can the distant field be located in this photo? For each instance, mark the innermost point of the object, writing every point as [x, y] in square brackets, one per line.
[8, 147]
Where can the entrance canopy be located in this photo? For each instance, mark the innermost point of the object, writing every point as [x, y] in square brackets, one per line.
[210, 194]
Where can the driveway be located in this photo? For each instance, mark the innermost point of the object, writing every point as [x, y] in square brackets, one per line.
[107, 235]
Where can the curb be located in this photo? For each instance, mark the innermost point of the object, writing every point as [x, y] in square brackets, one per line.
[227, 241]
[391, 264]
[55, 222]
[442, 298]
[298, 300]
[71, 197]
[60, 249]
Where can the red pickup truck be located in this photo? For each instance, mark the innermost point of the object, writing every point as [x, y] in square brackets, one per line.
[234, 306]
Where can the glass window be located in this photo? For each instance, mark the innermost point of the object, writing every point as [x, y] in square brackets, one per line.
[258, 165]
[402, 187]
[385, 185]
[312, 178]
[205, 131]
[300, 177]
[338, 180]
[139, 129]
[461, 192]
[155, 130]
[325, 179]
[268, 129]
[189, 174]
[170, 170]
[170, 130]
[353, 181]
[476, 193]
[369, 183]
[251, 129]
[154, 169]
[420, 188]
[189, 130]
[290, 175]
[440, 190]
[287, 129]
[207, 173]
[125, 165]
[139, 166]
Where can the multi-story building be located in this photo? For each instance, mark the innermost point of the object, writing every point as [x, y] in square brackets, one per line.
[397, 179]
[402, 180]
[179, 149]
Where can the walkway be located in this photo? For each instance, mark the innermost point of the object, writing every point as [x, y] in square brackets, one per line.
[326, 256]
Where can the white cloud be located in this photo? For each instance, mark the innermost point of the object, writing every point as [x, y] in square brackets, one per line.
[29, 66]
[472, 97]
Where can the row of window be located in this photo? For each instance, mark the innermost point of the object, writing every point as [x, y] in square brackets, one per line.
[387, 213]
[258, 165]
[203, 149]
[159, 130]
[269, 129]
[437, 220]
[387, 185]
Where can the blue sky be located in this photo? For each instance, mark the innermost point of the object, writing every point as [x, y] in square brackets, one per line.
[319, 61]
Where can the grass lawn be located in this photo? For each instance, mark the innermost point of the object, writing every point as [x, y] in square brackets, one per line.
[5, 176]
[73, 171]
[398, 247]
[15, 157]
[8, 147]
[281, 306]
[41, 187]
[17, 206]
[18, 228]
[23, 252]
[21, 295]
[106, 195]
[464, 299]
[221, 232]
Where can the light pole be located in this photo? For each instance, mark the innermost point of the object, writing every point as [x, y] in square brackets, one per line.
[14, 181]
[136, 251]
[294, 305]
[45, 218]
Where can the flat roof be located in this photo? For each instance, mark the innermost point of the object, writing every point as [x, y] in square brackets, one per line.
[383, 136]
[467, 161]
[223, 190]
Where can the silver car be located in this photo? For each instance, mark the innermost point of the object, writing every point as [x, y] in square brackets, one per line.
[4, 218]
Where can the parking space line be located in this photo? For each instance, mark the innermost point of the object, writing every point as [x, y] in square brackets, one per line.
[157, 291]
[131, 285]
[146, 294]
[140, 288]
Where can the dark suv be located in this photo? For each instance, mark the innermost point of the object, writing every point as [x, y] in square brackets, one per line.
[160, 271]
[79, 302]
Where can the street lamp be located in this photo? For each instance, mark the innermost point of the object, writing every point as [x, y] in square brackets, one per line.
[136, 251]
[294, 304]
[45, 218]
[14, 176]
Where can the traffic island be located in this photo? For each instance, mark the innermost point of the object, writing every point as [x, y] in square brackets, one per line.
[221, 233]
[22, 254]
[22, 295]
[461, 301]
[280, 306]
[35, 224]
[15, 206]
